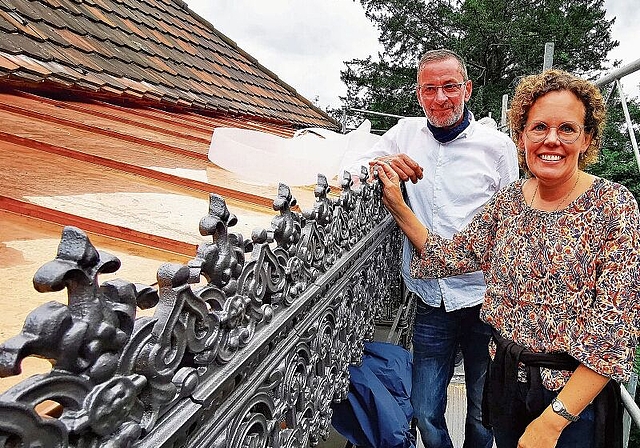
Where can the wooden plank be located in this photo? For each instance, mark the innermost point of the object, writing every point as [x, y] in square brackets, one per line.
[97, 227]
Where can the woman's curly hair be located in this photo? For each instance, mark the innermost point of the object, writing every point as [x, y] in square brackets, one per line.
[533, 87]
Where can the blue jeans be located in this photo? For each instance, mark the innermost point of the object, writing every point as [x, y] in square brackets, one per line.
[436, 336]
[580, 434]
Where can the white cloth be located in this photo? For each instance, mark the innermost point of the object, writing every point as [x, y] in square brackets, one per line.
[459, 178]
[263, 158]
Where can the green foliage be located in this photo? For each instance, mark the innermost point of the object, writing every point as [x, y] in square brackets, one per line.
[617, 159]
[634, 437]
[501, 40]
[386, 88]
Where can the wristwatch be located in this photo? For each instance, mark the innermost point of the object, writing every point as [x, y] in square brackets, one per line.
[558, 408]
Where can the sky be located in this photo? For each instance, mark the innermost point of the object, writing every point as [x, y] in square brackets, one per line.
[305, 42]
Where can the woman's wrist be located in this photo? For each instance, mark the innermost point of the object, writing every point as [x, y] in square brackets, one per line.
[400, 212]
[554, 421]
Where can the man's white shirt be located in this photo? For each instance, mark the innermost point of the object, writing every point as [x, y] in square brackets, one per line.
[459, 177]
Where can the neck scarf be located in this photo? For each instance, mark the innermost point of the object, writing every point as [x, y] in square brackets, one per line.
[445, 135]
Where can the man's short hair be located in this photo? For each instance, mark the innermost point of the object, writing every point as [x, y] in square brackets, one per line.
[442, 54]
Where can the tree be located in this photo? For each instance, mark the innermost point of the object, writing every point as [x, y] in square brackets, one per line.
[501, 40]
[617, 160]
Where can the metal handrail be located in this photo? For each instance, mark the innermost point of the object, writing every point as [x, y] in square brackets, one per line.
[363, 111]
[632, 411]
[630, 405]
[615, 77]
[381, 114]
[619, 73]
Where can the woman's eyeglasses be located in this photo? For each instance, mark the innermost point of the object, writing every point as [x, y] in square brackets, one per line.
[567, 132]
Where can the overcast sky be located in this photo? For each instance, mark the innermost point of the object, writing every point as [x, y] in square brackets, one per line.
[305, 42]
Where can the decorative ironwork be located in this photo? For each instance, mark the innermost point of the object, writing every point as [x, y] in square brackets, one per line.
[253, 358]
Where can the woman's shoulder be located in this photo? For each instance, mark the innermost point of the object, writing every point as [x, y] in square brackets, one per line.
[612, 201]
[510, 198]
[513, 190]
[611, 192]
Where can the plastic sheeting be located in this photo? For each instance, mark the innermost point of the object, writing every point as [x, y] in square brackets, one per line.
[377, 412]
[266, 159]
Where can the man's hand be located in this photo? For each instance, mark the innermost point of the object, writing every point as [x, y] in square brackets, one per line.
[404, 166]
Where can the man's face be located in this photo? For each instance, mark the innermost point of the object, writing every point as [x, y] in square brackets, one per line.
[443, 107]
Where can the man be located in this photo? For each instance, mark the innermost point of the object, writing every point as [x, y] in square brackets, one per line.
[455, 165]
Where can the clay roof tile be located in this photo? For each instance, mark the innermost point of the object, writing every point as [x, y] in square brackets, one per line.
[156, 50]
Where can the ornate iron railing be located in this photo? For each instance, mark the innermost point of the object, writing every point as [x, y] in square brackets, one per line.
[252, 358]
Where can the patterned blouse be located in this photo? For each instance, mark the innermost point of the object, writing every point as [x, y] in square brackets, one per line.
[563, 281]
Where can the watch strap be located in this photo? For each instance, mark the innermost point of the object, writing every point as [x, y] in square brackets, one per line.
[558, 407]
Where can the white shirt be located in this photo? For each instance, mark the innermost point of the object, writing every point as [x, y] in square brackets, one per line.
[459, 177]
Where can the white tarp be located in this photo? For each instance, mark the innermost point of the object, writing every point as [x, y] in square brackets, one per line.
[263, 158]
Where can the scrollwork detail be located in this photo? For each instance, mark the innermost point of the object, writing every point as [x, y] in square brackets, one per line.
[221, 261]
[117, 377]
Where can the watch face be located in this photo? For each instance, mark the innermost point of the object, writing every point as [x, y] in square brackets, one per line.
[556, 406]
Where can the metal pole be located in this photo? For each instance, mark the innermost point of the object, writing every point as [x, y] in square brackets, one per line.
[626, 419]
[503, 114]
[619, 73]
[630, 404]
[548, 56]
[627, 117]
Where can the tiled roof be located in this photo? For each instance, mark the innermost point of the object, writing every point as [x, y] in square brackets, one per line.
[144, 51]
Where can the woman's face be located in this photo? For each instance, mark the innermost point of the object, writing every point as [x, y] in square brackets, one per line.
[554, 157]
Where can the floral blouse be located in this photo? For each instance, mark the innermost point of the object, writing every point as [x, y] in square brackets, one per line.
[562, 281]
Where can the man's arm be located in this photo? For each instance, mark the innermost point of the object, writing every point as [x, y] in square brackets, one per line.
[508, 167]
[386, 150]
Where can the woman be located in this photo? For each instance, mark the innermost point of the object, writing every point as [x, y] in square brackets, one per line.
[560, 254]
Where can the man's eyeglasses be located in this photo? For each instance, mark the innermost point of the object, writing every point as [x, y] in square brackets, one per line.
[449, 89]
[567, 132]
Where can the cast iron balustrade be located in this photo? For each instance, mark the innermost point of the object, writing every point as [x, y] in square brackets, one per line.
[252, 358]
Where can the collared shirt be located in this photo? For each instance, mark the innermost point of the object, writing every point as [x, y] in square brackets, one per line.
[459, 177]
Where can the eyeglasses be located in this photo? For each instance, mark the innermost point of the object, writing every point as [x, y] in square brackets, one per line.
[449, 89]
[567, 132]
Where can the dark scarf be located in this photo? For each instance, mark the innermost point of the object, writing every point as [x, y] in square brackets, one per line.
[445, 135]
[501, 390]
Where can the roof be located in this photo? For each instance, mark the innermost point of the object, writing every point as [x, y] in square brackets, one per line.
[107, 110]
[144, 51]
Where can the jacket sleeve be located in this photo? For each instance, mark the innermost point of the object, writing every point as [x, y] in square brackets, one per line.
[508, 164]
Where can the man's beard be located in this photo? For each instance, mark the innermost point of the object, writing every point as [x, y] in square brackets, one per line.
[450, 120]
